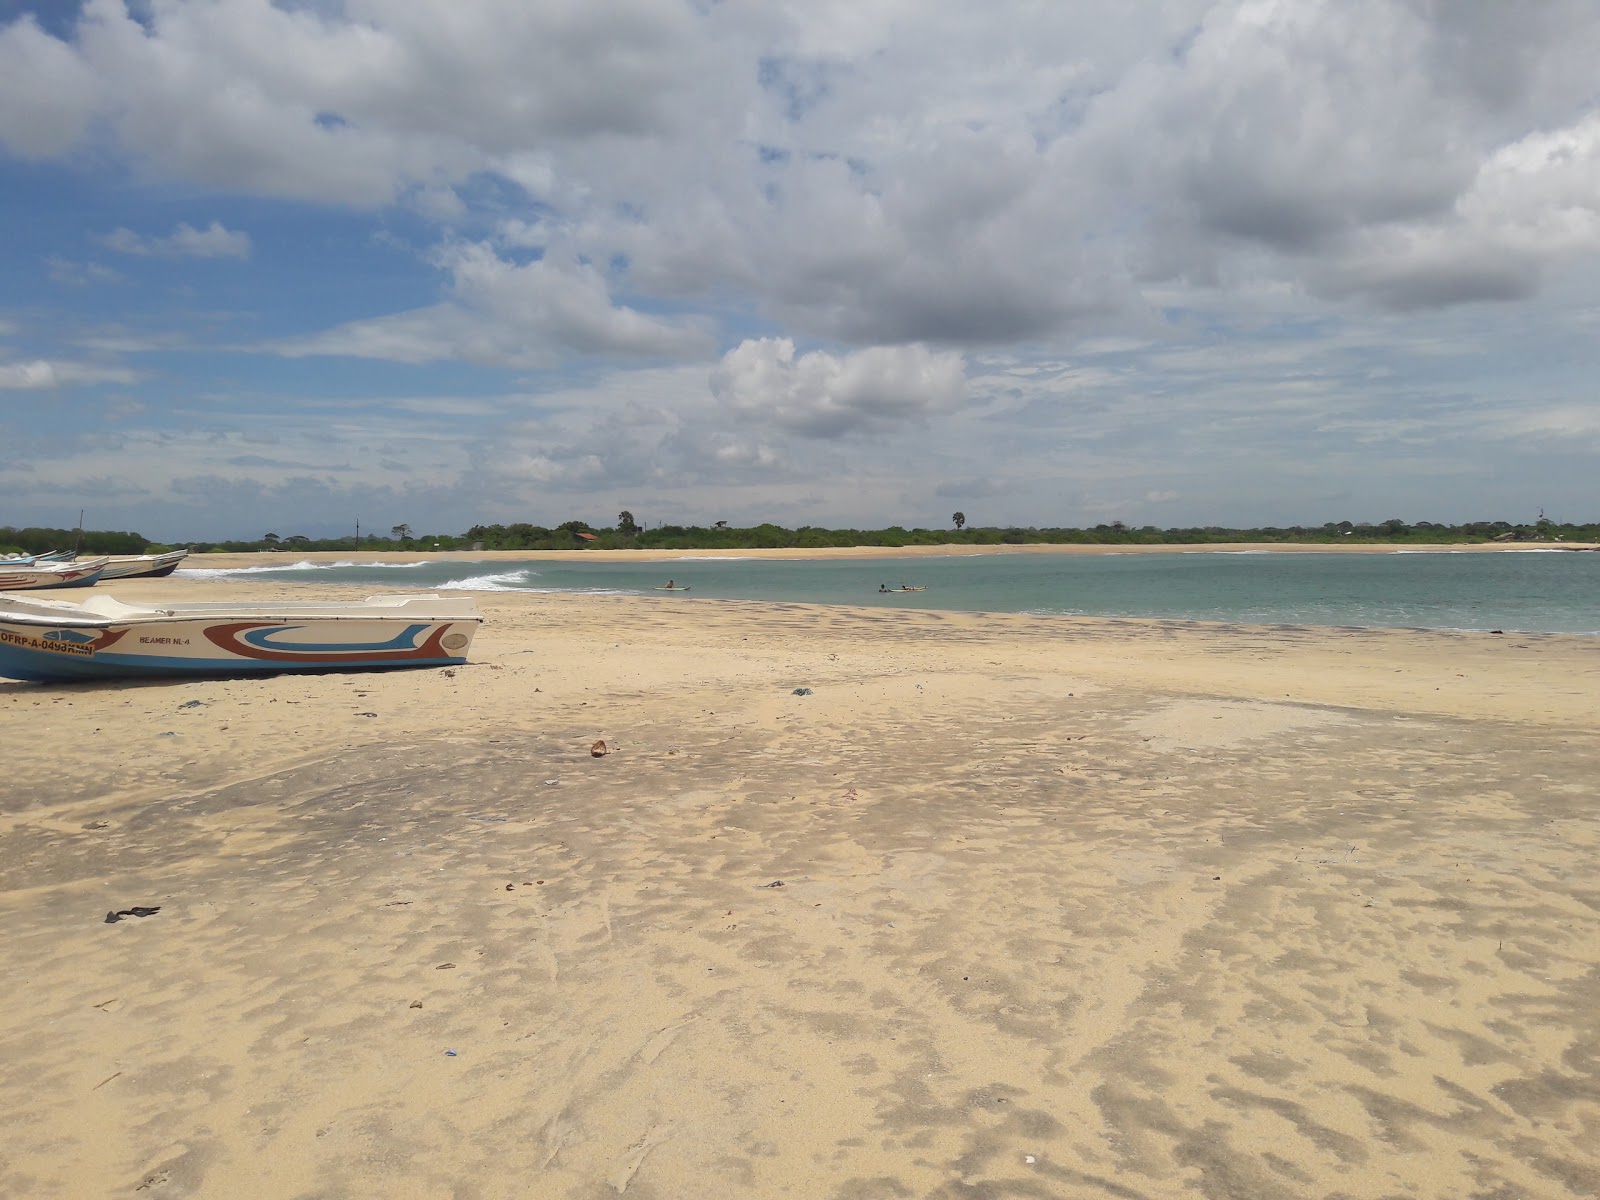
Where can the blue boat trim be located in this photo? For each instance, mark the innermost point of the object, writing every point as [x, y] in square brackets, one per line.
[406, 639]
[44, 667]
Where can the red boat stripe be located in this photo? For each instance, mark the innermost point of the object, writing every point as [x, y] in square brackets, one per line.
[226, 638]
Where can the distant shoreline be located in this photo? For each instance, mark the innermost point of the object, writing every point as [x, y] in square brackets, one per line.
[399, 555]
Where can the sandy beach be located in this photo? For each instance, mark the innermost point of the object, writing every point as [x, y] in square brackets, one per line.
[1002, 906]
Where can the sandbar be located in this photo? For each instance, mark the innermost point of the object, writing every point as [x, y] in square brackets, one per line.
[1068, 908]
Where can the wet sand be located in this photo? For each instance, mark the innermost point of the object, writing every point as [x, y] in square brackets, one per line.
[1069, 908]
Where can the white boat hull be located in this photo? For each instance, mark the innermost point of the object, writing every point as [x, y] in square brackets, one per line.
[56, 641]
[51, 575]
[137, 565]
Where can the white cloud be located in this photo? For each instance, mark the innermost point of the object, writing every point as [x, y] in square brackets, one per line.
[214, 241]
[48, 91]
[824, 396]
[41, 374]
[351, 108]
[1086, 250]
[874, 172]
[66, 272]
[507, 314]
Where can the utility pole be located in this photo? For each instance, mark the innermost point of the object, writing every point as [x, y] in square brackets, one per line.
[358, 533]
[78, 544]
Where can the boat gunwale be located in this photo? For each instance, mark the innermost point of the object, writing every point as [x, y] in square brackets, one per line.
[68, 614]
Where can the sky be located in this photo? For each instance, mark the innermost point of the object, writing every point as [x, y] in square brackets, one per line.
[287, 266]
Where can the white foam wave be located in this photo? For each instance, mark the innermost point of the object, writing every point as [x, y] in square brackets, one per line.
[503, 581]
[225, 572]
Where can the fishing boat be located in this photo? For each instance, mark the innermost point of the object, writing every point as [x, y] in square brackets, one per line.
[51, 575]
[149, 566]
[28, 560]
[105, 638]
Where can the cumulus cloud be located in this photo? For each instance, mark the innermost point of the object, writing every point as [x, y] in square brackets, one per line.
[509, 314]
[48, 91]
[350, 107]
[42, 374]
[965, 178]
[214, 241]
[821, 395]
[1533, 202]
[1158, 214]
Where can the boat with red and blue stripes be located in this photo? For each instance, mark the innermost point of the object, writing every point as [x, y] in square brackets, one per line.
[56, 641]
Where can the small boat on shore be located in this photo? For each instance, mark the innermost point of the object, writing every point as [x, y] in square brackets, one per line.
[29, 560]
[143, 566]
[56, 641]
[51, 575]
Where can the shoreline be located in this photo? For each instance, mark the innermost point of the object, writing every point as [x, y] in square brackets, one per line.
[229, 560]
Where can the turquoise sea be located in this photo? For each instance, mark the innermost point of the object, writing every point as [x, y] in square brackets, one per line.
[1533, 591]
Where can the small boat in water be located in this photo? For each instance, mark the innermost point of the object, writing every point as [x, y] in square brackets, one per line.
[51, 575]
[104, 638]
[149, 566]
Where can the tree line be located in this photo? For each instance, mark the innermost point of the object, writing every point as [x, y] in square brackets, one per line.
[629, 534]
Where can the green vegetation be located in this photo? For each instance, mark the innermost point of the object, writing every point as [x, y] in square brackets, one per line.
[94, 541]
[722, 537]
[629, 535]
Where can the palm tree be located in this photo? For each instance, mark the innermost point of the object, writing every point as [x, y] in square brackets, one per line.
[626, 524]
[958, 519]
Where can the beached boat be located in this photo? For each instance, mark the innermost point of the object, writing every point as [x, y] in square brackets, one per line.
[51, 575]
[28, 560]
[133, 566]
[105, 638]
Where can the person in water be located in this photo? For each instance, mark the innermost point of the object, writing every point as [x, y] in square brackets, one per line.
[883, 587]
[672, 585]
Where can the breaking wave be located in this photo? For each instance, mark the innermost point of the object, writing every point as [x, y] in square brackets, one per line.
[502, 581]
[229, 572]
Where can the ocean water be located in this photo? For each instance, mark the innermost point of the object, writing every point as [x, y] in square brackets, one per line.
[1530, 591]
